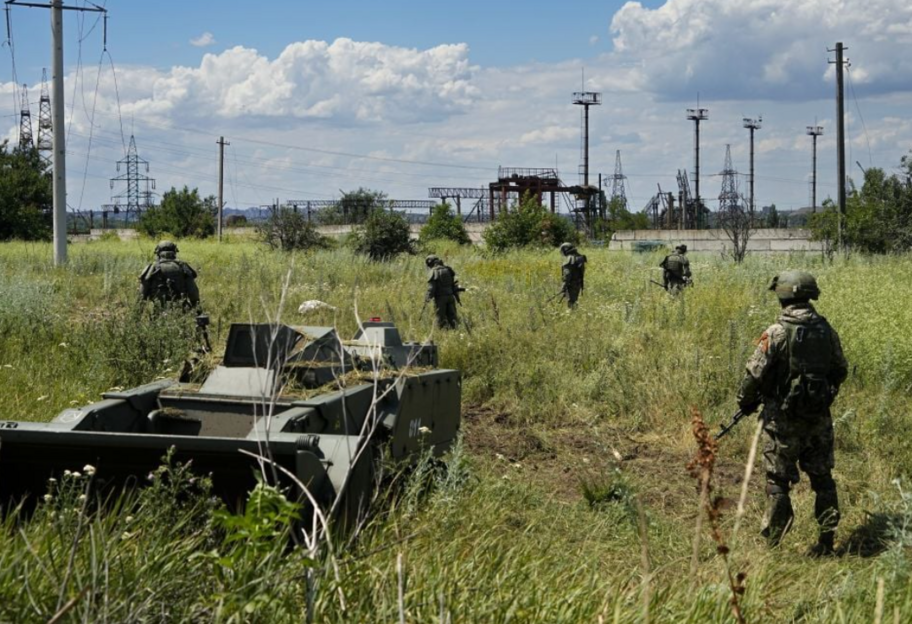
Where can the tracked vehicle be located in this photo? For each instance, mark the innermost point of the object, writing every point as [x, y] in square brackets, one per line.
[296, 404]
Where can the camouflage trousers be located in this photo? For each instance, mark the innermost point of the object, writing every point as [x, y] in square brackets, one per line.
[446, 312]
[790, 444]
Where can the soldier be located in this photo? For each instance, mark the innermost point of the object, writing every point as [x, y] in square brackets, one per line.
[796, 372]
[444, 289]
[573, 273]
[676, 270]
[169, 280]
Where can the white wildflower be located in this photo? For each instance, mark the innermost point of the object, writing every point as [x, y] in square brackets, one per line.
[48, 498]
[89, 469]
[423, 430]
[76, 475]
[499, 456]
[63, 344]
[128, 519]
[314, 304]
[42, 398]
[67, 473]
[82, 498]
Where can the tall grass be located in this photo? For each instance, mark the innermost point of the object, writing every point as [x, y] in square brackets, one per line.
[549, 395]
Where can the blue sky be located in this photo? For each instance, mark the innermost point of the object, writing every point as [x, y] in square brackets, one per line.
[401, 96]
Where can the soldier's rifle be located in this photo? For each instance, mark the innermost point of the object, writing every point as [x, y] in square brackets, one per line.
[726, 427]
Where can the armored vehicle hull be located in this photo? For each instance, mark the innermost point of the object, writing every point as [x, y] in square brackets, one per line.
[294, 404]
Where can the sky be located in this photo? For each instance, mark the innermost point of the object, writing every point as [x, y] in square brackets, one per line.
[398, 96]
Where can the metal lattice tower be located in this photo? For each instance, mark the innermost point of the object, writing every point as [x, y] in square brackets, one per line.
[45, 143]
[25, 122]
[814, 132]
[618, 184]
[138, 194]
[729, 198]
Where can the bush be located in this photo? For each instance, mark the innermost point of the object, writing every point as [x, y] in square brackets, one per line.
[529, 225]
[236, 220]
[25, 195]
[385, 234]
[289, 230]
[181, 213]
[355, 207]
[443, 224]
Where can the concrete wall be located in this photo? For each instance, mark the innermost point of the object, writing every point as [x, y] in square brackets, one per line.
[764, 240]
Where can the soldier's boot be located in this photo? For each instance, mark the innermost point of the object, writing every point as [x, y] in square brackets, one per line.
[778, 518]
[826, 510]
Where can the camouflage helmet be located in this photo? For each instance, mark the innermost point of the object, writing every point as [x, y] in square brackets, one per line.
[567, 248]
[165, 246]
[431, 260]
[795, 286]
[682, 248]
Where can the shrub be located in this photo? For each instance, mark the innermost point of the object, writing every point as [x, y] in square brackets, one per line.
[355, 207]
[385, 234]
[181, 213]
[25, 195]
[444, 224]
[530, 224]
[236, 220]
[289, 230]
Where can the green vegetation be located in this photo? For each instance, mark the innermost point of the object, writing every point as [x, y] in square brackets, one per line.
[384, 235]
[181, 213]
[289, 230]
[528, 225]
[878, 215]
[574, 422]
[25, 194]
[354, 207]
[443, 224]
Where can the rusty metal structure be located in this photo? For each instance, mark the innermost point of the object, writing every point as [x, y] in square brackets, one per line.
[667, 211]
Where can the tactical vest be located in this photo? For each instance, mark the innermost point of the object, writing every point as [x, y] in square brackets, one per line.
[444, 281]
[674, 264]
[807, 391]
[170, 280]
[575, 265]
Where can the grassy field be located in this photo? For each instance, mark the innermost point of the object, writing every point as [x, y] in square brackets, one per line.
[569, 498]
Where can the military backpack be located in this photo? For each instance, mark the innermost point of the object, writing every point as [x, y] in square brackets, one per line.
[807, 390]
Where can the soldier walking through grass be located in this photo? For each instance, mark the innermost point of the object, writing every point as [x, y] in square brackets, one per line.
[795, 372]
[676, 270]
[169, 280]
[573, 274]
[443, 289]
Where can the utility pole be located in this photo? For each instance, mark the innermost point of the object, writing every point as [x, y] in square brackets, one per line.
[752, 125]
[697, 115]
[221, 185]
[814, 132]
[57, 114]
[587, 99]
[840, 63]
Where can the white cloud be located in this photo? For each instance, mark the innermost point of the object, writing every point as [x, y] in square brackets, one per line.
[203, 41]
[762, 49]
[593, 39]
[345, 81]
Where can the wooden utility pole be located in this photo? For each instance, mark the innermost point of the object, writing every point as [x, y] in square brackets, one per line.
[221, 184]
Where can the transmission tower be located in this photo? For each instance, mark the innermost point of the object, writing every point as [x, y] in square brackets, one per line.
[618, 184]
[138, 194]
[814, 132]
[45, 127]
[697, 115]
[729, 198]
[25, 122]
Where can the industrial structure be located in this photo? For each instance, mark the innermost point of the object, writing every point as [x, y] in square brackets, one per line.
[586, 192]
[814, 132]
[138, 194]
[618, 183]
[730, 199]
[752, 125]
[25, 122]
[697, 115]
[45, 143]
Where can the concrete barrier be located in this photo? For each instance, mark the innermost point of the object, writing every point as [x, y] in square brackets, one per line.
[764, 240]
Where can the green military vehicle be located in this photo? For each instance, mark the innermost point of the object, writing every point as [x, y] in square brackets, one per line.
[296, 404]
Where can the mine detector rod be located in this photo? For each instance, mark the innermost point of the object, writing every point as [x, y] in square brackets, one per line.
[662, 286]
[725, 428]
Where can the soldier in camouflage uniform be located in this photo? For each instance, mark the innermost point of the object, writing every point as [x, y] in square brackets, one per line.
[676, 270]
[796, 372]
[169, 280]
[573, 273]
[443, 289]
